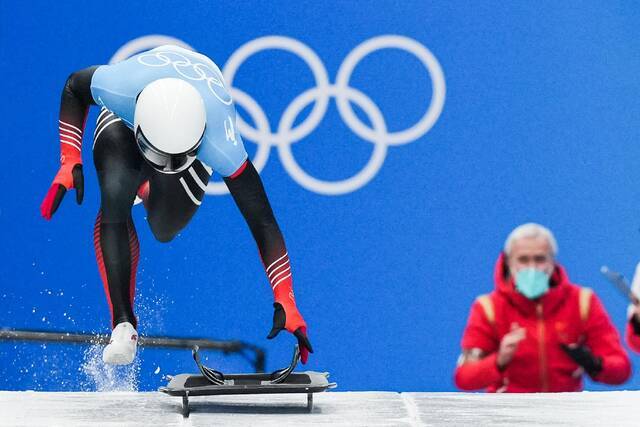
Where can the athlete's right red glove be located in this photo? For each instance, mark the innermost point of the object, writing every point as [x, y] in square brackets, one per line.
[289, 318]
[69, 176]
[70, 173]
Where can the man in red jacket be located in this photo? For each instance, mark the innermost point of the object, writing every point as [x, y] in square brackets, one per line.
[537, 332]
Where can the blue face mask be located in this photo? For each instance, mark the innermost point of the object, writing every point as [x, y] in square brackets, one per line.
[532, 283]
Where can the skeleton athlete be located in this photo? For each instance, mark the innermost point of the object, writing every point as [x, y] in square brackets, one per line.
[166, 122]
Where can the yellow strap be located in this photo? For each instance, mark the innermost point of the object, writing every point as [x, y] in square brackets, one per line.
[585, 303]
[487, 306]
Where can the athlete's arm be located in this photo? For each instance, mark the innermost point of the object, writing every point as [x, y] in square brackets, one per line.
[74, 106]
[248, 192]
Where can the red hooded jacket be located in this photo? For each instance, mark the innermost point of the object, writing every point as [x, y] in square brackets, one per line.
[539, 364]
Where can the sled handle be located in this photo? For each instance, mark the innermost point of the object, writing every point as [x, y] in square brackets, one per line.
[281, 375]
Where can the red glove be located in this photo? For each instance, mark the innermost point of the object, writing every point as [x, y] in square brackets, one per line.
[286, 316]
[70, 174]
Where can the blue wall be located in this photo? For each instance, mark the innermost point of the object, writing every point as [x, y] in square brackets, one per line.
[540, 122]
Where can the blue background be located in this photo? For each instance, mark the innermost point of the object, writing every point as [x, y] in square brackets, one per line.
[540, 123]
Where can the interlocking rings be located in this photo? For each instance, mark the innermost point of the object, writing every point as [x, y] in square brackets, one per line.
[190, 71]
[287, 134]
[378, 138]
[428, 60]
[308, 56]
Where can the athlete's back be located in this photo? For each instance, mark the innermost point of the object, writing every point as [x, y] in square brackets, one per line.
[117, 86]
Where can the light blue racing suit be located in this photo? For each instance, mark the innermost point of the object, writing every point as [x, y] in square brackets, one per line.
[117, 86]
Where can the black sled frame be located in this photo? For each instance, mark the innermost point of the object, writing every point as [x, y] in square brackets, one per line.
[212, 382]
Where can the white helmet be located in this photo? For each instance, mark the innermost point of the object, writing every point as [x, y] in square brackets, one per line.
[169, 124]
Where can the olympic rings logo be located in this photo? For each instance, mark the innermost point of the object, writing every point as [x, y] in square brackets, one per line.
[287, 134]
[189, 71]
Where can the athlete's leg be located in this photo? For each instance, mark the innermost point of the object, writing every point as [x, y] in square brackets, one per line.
[119, 167]
[174, 198]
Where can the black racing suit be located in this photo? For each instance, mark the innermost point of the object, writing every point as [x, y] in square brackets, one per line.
[172, 198]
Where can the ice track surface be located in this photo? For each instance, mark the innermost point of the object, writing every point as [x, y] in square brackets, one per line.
[331, 408]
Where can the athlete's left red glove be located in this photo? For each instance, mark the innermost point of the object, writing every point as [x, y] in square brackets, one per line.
[286, 316]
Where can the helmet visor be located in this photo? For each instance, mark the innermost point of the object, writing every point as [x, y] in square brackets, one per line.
[165, 162]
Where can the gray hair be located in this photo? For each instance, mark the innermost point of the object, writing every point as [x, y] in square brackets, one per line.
[531, 230]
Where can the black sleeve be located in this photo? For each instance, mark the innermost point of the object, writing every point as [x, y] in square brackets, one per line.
[248, 193]
[76, 97]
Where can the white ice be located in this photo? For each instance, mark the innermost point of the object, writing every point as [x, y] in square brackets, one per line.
[331, 408]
